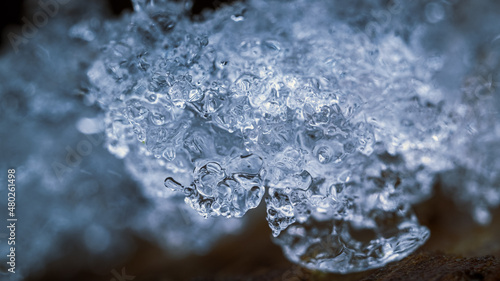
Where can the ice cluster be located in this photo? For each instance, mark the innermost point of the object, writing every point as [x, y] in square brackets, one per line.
[79, 207]
[344, 129]
[338, 116]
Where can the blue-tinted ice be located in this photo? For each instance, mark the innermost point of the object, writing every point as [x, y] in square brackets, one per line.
[339, 116]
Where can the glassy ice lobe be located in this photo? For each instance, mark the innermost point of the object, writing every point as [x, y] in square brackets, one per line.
[351, 246]
[352, 211]
[230, 191]
[348, 226]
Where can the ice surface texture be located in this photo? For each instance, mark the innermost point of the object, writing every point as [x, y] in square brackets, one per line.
[81, 207]
[339, 115]
[344, 131]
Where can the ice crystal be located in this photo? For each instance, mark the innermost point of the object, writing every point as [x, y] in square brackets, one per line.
[339, 115]
[346, 130]
[308, 110]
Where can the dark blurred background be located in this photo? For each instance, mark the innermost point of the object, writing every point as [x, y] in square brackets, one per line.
[11, 12]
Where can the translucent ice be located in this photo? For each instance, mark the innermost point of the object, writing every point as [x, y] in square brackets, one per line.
[339, 115]
[310, 110]
[229, 191]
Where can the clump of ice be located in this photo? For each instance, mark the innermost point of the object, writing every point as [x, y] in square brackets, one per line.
[343, 129]
[338, 115]
[78, 207]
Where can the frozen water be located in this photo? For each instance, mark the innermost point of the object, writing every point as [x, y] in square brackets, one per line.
[300, 111]
[80, 203]
[346, 129]
[340, 116]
